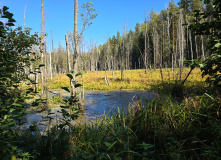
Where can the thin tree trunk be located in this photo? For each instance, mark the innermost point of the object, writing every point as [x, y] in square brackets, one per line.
[36, 80]
[202, 46]
[69, 63]
[122, 57]
[197, 54]
[168, 33]
[24, 18]
[163, 48]
[154, 48]
[174, 62]
[76, 42]
[76, 37]
[45, 50]
[50, 66]
[182, 39]
[112, 67]
[53, 52]
[41, 50]
[203, 54]
[191, 47]
[148, 47]
[106, 77]
[68, 53]
[145, 51]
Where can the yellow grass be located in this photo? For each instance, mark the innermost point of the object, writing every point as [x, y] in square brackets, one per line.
[133, 79]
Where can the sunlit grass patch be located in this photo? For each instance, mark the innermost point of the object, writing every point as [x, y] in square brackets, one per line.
[136, 80]
[61, 80]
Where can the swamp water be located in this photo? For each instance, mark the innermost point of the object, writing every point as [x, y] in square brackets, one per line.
[97, 103]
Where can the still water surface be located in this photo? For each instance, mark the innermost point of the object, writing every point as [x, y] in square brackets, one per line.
[96, 104]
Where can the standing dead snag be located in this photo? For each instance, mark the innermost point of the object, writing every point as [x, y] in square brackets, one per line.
[41, 50]
[69, 64]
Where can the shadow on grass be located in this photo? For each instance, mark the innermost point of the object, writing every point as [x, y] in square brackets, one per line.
[176, 89]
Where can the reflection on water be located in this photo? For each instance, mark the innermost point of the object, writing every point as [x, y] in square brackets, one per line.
[97, 103]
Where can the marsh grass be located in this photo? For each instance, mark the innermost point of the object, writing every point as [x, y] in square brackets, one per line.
[158, 129]
[138, 80]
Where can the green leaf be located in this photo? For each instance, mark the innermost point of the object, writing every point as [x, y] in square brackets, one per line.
[77, 85]
[5, 116]
[11, 109]
[79, 73]
[66, 89]
[70, 76]
[217, 45]
[201, 65]
[112, 145]
[107, 144]
[16, 104]
[64, 106]
[41, 65]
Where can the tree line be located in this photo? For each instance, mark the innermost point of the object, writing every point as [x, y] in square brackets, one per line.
[162, 40]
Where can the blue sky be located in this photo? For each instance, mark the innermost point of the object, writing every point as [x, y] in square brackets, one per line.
[112, 16]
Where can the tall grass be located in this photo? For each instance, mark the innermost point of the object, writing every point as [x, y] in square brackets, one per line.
[159, 129]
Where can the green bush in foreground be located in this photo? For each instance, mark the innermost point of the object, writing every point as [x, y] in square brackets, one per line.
[15, 56]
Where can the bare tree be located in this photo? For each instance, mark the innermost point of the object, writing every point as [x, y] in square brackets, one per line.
[50, 65]
[76, 37]
[53, 50]
[145, 45]
[122, 54]
[41, 49]
[69, 63]
[191, 47]
[24, 17]
[168, 32]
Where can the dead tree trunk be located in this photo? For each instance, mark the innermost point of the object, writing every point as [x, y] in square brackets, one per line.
[145, 50]
[41, 50]
[69, 63]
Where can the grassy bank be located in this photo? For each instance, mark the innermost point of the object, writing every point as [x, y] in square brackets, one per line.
[157, 130]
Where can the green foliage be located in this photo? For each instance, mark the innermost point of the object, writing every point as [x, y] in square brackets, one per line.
[56, 99]
[15, 51]
[211, 66]
[87, 15]
[161, 129]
